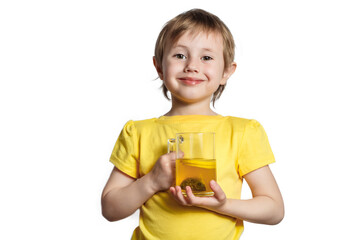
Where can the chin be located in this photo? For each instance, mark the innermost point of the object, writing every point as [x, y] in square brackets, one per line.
[191, 99]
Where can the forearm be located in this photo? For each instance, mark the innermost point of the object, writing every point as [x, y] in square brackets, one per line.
[120, 203]
[260, 209]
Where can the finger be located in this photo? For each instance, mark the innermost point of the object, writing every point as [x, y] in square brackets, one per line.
[180, 154]
[172, 191]
[174, 194]
[172, 156]
[218, 192]
[170, 159]
[180, 196]
[190, 199]
[194, 200]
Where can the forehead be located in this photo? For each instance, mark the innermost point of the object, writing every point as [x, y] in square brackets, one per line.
[206, 39]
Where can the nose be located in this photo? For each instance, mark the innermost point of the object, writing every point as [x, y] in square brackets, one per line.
[191, 66]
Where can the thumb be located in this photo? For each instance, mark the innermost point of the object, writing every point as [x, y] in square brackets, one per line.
[218, 192]
[180, 154]
[172, 156]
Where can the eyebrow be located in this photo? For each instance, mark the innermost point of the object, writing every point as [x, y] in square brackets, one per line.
[183, 46]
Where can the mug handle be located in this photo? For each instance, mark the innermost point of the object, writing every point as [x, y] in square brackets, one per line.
[171, 145]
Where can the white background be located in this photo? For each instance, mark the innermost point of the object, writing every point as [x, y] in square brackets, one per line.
[73, 72]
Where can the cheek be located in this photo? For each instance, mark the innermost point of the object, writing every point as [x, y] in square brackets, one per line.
[167, 73]
[170, 70]
[215, 72]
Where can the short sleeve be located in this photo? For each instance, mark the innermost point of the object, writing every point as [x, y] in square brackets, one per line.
[255, 151]
[125, 153]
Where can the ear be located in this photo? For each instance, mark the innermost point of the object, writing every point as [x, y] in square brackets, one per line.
[158, 68]
[228, 72]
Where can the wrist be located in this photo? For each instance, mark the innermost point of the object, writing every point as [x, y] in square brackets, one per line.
[223, 207]
[220, 208]
[150, 183]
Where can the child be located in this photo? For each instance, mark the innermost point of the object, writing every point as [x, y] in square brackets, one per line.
[194, 56]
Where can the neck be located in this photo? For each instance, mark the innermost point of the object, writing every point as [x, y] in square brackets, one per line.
[196, 108]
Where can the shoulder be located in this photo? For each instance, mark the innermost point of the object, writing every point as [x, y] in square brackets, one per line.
[243, 125]
[138, 125]
[144, 122]
[242, 122]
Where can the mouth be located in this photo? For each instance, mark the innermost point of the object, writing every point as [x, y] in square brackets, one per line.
[191, 81]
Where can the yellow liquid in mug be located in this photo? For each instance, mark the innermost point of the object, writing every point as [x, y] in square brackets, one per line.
[196, 173]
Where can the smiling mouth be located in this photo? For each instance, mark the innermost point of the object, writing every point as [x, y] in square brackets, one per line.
[191, 81]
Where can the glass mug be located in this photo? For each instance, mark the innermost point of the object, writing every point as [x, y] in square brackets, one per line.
[197, 167]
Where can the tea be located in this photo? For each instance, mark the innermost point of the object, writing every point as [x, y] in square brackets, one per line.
[196, 173]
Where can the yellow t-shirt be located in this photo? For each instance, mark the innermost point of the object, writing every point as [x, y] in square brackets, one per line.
[241, 147]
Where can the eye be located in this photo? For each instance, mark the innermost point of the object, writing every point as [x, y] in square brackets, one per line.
[206, 58]
[180, 56]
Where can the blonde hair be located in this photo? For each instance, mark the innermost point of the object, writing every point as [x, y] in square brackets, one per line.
[195, 20]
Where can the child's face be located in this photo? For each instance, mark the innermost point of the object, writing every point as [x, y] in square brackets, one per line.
[193, 67]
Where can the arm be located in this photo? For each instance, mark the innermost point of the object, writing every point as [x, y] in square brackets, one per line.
[123, 195]
[265, 207]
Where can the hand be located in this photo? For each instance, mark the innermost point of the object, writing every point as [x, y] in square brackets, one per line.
[163, 173]
[212, 203]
